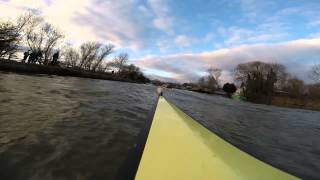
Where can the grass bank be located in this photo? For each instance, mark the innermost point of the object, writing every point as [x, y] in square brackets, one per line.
[285, 101]
[302, 103]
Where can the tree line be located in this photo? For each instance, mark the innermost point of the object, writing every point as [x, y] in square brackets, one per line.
[261, 81]
[29, 32]
[43, 42]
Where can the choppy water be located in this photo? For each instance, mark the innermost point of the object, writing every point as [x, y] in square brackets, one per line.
[68, 128]
[286, 138]
[71, 128]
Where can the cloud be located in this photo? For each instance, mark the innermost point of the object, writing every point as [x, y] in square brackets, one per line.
[269, 31]
[119, 22]
[163, 20]
[183, 40]
[163, 23]
[61, 13]
[298, 56]
[315, 23]
[270, 21]
[10, 9]
[114, 21]
[254, 9]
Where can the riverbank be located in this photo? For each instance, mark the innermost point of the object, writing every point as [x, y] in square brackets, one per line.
[18, 67]
[306, 102]
[301, 103]
[288, 102]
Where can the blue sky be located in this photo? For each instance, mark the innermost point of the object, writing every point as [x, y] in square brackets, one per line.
[178, 40]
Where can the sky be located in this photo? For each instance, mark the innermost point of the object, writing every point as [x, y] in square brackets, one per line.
[178, 40]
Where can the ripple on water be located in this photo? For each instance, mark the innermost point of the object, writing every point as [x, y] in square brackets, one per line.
[68, 128]
[286, 138]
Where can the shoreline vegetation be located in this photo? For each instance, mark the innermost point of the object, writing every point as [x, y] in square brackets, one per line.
[261, 83]
[18, 67]
[45, 53]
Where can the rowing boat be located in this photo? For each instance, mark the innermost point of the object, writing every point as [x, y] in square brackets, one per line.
[176, 147]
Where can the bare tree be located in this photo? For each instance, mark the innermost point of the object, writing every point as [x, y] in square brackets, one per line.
[315, 73]
[215, 72]
[214, 75]
[280, 73]
[9, 39]
[211, 81]
[34, 37]
[11, 35]
[91, 56]
[243, 71]
[52, 36]
[41, 36]
[101, 67]
[24, 20]
[134, 73]
[202, 81]
[103, 52]
[295, 87]
[88, 52]
[107, 66]
[131, 68]
[259, 80]
[72, 57]
[120, 61]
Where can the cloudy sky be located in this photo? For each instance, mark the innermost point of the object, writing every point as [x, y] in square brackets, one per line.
[178, 40]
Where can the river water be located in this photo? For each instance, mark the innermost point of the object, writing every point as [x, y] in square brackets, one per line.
[68, 128]
[285, 138]
[72, 128]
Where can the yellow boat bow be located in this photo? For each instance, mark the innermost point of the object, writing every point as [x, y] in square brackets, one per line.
[179, 148]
